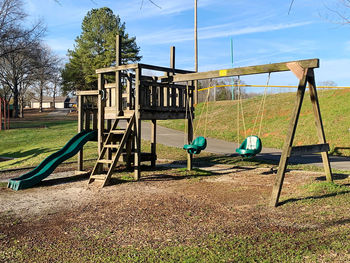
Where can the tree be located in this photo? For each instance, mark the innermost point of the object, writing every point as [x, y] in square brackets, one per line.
[46, 70]
[12, 33]
[95, 48]
[16, 71]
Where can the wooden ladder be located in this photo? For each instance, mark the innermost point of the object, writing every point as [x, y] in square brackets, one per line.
[105, 157]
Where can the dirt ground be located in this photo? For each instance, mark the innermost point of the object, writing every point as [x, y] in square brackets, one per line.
[165, 207]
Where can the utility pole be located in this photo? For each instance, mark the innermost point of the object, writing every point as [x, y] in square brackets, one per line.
[195, 52]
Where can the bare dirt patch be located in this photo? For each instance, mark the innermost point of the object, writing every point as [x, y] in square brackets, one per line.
[166, 207]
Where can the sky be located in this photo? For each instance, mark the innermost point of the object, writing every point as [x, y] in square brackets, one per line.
[262, 32]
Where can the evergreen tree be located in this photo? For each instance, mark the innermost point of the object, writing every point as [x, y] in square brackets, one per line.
[95, 48]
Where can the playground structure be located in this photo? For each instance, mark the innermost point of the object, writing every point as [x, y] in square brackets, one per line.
[126, 95]
[4, 114]
[165, 97]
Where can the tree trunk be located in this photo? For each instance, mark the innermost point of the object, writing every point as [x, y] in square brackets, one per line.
[54, 98]
[41, 98]
[15, 101]
[21, 107]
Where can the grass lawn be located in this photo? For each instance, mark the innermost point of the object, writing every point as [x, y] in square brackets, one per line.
[170, 215]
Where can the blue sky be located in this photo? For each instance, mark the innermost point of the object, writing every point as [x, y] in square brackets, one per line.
[262, 33]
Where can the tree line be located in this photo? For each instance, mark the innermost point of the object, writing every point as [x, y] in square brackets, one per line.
[27, 65]
[28, 68]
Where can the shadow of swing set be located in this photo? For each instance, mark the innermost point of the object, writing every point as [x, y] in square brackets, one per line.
[126, 95]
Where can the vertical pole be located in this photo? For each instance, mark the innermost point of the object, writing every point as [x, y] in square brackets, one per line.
[189, 124]
[101, 121]
[118, 92]
[0, 113]
[195, 52]
[319, 124]
[215, 93]
[80, 129]
[154, 142]
[137, 161]
[232, 89]
[94, 120]
[277, 185]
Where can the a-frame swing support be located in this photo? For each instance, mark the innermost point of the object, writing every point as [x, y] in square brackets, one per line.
[304, 70]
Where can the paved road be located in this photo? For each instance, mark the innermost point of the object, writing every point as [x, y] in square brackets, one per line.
[176, 138]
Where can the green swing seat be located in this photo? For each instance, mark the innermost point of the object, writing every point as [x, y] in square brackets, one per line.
[198, 144]
[251, 146]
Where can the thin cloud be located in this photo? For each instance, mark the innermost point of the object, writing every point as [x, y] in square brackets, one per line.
[210, 32]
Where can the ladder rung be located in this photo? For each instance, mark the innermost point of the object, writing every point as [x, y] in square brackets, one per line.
[123, 117]
[98, 177]
[105, 161]
[117, 131]
[111, 145]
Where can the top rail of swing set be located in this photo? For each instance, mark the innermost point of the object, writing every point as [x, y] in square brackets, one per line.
[250, 70]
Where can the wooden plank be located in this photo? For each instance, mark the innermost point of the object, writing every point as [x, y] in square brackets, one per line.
[153, 142]
[319, 124]
[164, 69]
[110, 113]
[307, 149]
[87, 119]
[128, 92]
[88, 92]
[190, 130]
[154, 96]
[118, 90]
[137, 157]
[110, 85]
[80, 129]
[259, 69]
[101, 106]
[117, 68]
[278, 181]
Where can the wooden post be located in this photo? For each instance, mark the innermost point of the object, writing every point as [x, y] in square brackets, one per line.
[195, 52]
[118, 91]
[154, 142]
[80, 129]
[137, 157]
[318, 123]
[189, 124]
[101, 121]
[277, 186]
[87, 119]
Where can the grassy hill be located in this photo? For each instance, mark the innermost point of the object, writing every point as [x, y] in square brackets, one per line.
[222, 120]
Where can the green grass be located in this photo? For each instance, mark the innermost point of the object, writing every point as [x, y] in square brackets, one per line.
[222, 120]
[215, 247]
[29, 146]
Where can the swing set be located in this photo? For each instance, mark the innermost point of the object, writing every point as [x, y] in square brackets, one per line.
[304, 71]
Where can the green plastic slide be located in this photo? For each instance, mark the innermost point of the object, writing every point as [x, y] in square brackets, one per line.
[46, 167]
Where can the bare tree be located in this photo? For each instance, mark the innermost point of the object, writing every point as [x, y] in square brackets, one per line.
[16, 72]
[12, 31]
[46, 68]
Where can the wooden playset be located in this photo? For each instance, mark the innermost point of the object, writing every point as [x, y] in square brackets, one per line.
[126, 94]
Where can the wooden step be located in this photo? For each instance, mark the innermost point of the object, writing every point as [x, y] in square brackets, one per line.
[98, 177]
[111, 145]
[125, 117]
[105, 161]
[117, 131]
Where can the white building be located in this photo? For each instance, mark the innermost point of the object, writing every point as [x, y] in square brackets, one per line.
[61, 102]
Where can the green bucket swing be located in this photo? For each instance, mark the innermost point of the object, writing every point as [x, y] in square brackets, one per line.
[200, 142]
[252, 144]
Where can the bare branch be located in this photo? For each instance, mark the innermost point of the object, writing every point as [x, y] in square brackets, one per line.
[152, 2]
[290, 7]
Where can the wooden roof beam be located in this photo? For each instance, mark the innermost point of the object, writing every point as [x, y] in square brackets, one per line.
[259, 69]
